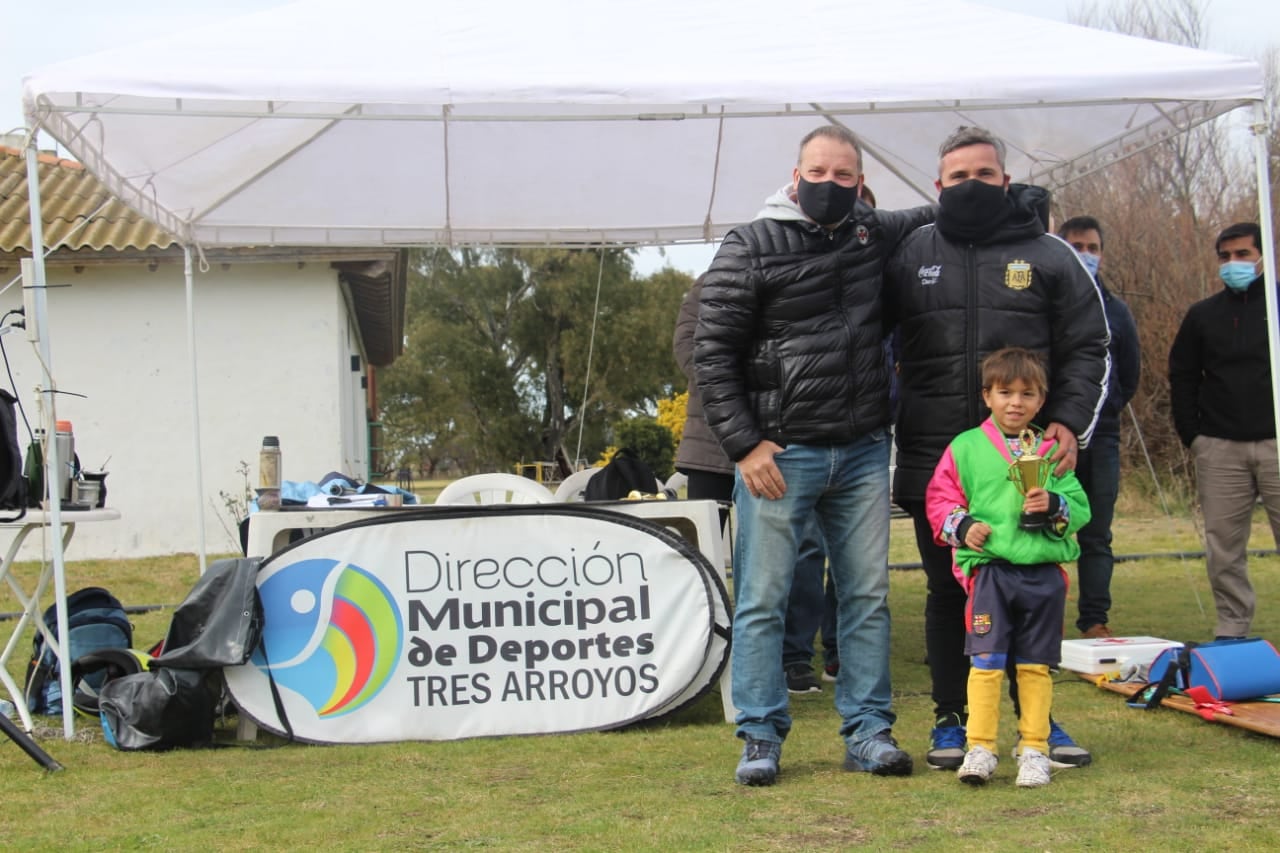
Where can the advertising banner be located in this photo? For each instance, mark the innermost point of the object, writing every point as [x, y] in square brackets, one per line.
[472, 622]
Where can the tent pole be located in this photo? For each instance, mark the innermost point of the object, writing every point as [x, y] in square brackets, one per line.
[1259, 129]
[52, 464]
[195, 400]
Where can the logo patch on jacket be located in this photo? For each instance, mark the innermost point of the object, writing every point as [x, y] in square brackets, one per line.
[1017, 275]
[863, 235]
[981, 623]
[929, 275]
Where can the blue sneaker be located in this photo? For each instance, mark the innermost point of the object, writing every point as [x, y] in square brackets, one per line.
[878, 754]
[759, 762]
[947, 743]
[1065, 752]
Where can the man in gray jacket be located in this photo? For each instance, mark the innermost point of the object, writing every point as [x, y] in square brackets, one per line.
[795, 387]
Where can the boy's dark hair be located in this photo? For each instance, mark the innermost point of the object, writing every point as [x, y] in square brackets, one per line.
[1240, 229]
[1005, 366]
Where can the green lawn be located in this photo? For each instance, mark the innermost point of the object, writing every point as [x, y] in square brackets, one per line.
[1161, 779]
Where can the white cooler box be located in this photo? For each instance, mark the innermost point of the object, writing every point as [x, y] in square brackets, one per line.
[1111, 654]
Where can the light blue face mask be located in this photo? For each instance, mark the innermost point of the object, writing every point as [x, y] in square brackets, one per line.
[1090, 262]
[1238, 275]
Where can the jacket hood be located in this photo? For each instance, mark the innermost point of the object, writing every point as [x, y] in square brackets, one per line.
[782, 205]
[1030, 213]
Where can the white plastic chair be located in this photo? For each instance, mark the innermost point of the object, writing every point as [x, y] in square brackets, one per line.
[496, 488]
[572, 487]
[676, 482]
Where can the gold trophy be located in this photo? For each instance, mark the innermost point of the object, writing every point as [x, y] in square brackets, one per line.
[1030, 471]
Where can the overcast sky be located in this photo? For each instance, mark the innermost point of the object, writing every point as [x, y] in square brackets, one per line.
[42, 33]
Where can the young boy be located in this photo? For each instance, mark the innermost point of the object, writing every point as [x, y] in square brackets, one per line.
[1017, 589]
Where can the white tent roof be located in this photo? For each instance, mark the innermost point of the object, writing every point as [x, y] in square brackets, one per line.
[401, 122]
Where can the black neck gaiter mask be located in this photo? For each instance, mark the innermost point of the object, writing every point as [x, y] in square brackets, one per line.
[972, 211]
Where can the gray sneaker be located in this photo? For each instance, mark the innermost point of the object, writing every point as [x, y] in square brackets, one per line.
[878, 754]
[979, 765]
[1033, 768]
[759, 762]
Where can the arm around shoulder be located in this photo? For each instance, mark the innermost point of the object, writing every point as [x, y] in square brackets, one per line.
[899, 223]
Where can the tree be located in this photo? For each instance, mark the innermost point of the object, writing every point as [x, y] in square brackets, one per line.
[1161, 209]
[509, 352]
[652, 442]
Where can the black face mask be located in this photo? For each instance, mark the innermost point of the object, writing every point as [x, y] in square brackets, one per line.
[826, 202]
[972, 210]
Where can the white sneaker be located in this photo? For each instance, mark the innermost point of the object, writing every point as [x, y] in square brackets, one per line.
[979, 764]
[1033, 768]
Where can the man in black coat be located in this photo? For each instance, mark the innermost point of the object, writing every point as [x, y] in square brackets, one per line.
[1220, 392]
[794, 385]
[1098, 468]
[983, 277]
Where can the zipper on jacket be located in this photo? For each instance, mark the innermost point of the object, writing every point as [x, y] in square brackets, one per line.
[971, 333]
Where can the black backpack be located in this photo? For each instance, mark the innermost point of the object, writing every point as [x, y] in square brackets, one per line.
[13, 486]
[95, 621]
[625, 473]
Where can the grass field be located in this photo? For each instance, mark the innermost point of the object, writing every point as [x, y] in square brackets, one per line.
[1161, 779]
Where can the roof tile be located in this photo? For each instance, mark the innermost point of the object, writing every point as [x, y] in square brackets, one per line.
[78, 211]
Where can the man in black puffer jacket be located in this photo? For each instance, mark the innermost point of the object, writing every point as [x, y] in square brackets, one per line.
[794, 385]
[985, 276]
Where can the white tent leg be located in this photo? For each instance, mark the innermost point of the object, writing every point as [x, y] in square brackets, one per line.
[1259, 129]
[195, 401]
[52, 469]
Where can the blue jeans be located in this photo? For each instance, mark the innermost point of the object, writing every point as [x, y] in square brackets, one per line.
[811, 604]
[847, 487]
[1098, 470]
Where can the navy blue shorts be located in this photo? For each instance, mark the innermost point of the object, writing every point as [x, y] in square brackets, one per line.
[1017, 610]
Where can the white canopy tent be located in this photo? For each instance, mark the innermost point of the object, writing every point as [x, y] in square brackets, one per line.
[638, 121]
[566, 122]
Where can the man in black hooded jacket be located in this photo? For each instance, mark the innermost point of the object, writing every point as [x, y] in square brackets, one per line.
[794, 385]
[983, 277]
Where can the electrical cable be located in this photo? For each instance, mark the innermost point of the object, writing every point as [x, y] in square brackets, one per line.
[13, 385]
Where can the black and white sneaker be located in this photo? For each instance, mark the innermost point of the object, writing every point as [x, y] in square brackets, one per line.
[800, 679]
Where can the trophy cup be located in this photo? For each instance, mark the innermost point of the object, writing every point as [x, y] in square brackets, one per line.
[1030, 471]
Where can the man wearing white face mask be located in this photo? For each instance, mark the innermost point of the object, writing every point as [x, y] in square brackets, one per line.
[1098, 465]
[1220, 392]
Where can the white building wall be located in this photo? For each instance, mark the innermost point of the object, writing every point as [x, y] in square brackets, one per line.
[274, 345]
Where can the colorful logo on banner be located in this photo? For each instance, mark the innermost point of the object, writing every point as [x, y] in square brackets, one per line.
[333, 636]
